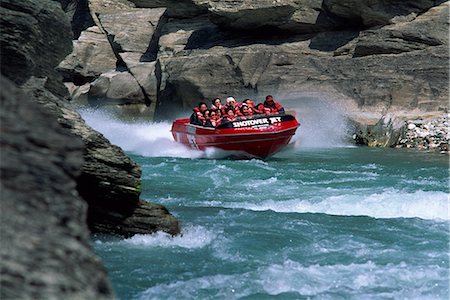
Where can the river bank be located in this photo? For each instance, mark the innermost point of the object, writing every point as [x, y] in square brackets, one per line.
[427, 134]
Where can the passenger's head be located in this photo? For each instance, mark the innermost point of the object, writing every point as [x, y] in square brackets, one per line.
[206, 113]
[260, 106]
[231, 101]
[269, 100]
[217, 102]
[244, 109]
[230, 112]
[214, 114]
[202, 106]
[249, 102]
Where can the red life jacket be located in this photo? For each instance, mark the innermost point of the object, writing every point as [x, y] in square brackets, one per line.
[230, 119]
[275, 109]
[215, 122]
[199, 114]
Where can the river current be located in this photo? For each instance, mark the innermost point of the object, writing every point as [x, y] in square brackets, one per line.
[319, 220]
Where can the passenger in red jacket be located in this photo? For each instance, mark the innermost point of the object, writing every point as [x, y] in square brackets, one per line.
[246, 112]
[214, 117]
[250, 104]
[261, 110]
[197, 116]
[275, 107]
[217, 104]
[230, 116]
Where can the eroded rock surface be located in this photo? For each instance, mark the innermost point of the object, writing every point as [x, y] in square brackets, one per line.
[110, 181]
[380, 56]
[45, 252]
[57, 171]
[35, 37]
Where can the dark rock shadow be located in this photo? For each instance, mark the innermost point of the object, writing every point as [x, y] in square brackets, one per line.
[330, 41]
[206, 38]
[153, 47]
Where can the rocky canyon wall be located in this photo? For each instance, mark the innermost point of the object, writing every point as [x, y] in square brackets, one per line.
[160, 57]
[59, 177]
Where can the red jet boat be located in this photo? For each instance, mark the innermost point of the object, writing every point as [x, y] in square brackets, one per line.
[261, 136]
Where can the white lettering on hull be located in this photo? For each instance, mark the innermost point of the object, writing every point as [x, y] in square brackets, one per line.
[256, 122]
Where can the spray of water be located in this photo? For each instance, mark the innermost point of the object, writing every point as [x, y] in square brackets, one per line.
[144, 138]
[324, 123]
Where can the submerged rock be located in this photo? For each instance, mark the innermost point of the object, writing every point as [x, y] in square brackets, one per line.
[385, 133]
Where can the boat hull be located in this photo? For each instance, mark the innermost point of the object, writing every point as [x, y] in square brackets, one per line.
[259, 137]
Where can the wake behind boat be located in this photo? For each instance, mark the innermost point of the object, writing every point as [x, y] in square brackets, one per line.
[260, 136]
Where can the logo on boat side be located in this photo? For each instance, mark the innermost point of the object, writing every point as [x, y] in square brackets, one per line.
[257, 122]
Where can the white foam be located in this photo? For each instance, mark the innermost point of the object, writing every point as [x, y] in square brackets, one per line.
[357, 279]
[192, 237]
[364, 280]
[144, 138]
[222, 286]
[390, 203]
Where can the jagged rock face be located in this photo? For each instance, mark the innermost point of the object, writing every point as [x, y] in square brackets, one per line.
[302, 16]
[175, 8]
[371, 13]
[35, 37]
[117, 56]
[382, 56]
[91, 56]
[45, 251]
[109, 180]
[295, 16]
[402, 66]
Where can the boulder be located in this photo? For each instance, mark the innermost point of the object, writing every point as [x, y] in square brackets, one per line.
[145, 73]
[91, 56]
[46, 252]
[137, 35]
[79, 94]
[290, 15]
[370, 13]
[385, 133]
[116, 87]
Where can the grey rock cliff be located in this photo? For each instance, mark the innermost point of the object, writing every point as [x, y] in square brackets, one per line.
[367, 56]
[35, 37]
[57, 172]
[45, 252]
[110, 181]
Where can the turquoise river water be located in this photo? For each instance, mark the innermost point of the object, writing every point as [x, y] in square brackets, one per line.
[313, 222]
